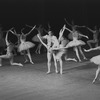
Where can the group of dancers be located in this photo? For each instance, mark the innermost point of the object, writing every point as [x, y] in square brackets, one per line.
[56, 47]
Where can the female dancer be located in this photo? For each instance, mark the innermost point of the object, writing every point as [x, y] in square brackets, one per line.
[24, 46]
[75, 42]
[36, 39]
[96, 60]
[95, 37]
[9, 54]
[60, 52]
[51, 43]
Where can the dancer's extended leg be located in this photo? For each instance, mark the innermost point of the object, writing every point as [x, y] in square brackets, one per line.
[29, 55]
[49, 56]
[82, 52]
[97, 74]
[77, 54]
[55, 63]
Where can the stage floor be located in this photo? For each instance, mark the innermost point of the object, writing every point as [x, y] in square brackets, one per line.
[31, 82]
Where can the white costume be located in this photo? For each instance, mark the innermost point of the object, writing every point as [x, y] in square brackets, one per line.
[24, 45]
[96, 59]
[75, 41]
[51, 41]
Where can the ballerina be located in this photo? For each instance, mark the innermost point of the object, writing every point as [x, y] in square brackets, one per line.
[36, 39]
[60, 52]
[76, 43]
[52, 42]
[24, 45]
[96, 60]
[9, 54]
[95, 37]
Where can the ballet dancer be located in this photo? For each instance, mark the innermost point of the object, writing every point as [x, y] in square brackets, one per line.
[24, 45]
[95, 37]
[36, 39]
[75, 42]
[96, 60]
[9, 54]
[52, 42]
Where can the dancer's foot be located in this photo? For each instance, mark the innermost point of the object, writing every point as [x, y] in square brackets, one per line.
[61, 72]
[95, 80]
[26, 61]
[85, 58]
[48, 72]
[0, 65]
[32, 62]
[20, 64]
[57, 71]
[67, 59]
[80, 60]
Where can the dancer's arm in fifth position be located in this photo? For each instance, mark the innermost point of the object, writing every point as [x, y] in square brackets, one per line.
[30, 31]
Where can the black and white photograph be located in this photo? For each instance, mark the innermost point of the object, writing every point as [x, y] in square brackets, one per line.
[49, 50]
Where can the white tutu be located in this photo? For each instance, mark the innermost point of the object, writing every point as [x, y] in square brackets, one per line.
[60, 54]
[96, 59]
[75, 43]
[25, 46]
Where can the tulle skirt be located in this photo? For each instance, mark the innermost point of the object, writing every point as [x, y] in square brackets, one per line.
[96, 59]
[75, 43]
[25, 46]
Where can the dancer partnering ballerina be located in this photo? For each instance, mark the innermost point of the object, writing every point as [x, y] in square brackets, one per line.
[9, 54]
[96, 60]
[95, 37]
[52, 42]
[76, 43]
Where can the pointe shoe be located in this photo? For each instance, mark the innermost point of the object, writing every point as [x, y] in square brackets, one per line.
[57, 72]
[20, 64]
[61, 72]
[73, 59]
[95, 80]
[48, 72]
[32, 62]
[80, 60]
[85, 58]
[25, 61]
[0, 65]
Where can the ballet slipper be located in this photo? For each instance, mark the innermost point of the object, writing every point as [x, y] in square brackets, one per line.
[25, 61]
[80, 60]
[20, 64]
[61, 72]
[32, 62]
[48, 72]
[85, 58]
[95, 80]
[57, 72]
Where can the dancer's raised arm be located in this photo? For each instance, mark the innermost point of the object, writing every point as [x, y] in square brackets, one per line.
[83, 35]
[30, 31]
[6, 39]
[41, 41]
[90, 29]
[61, 32]
[68, 30]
